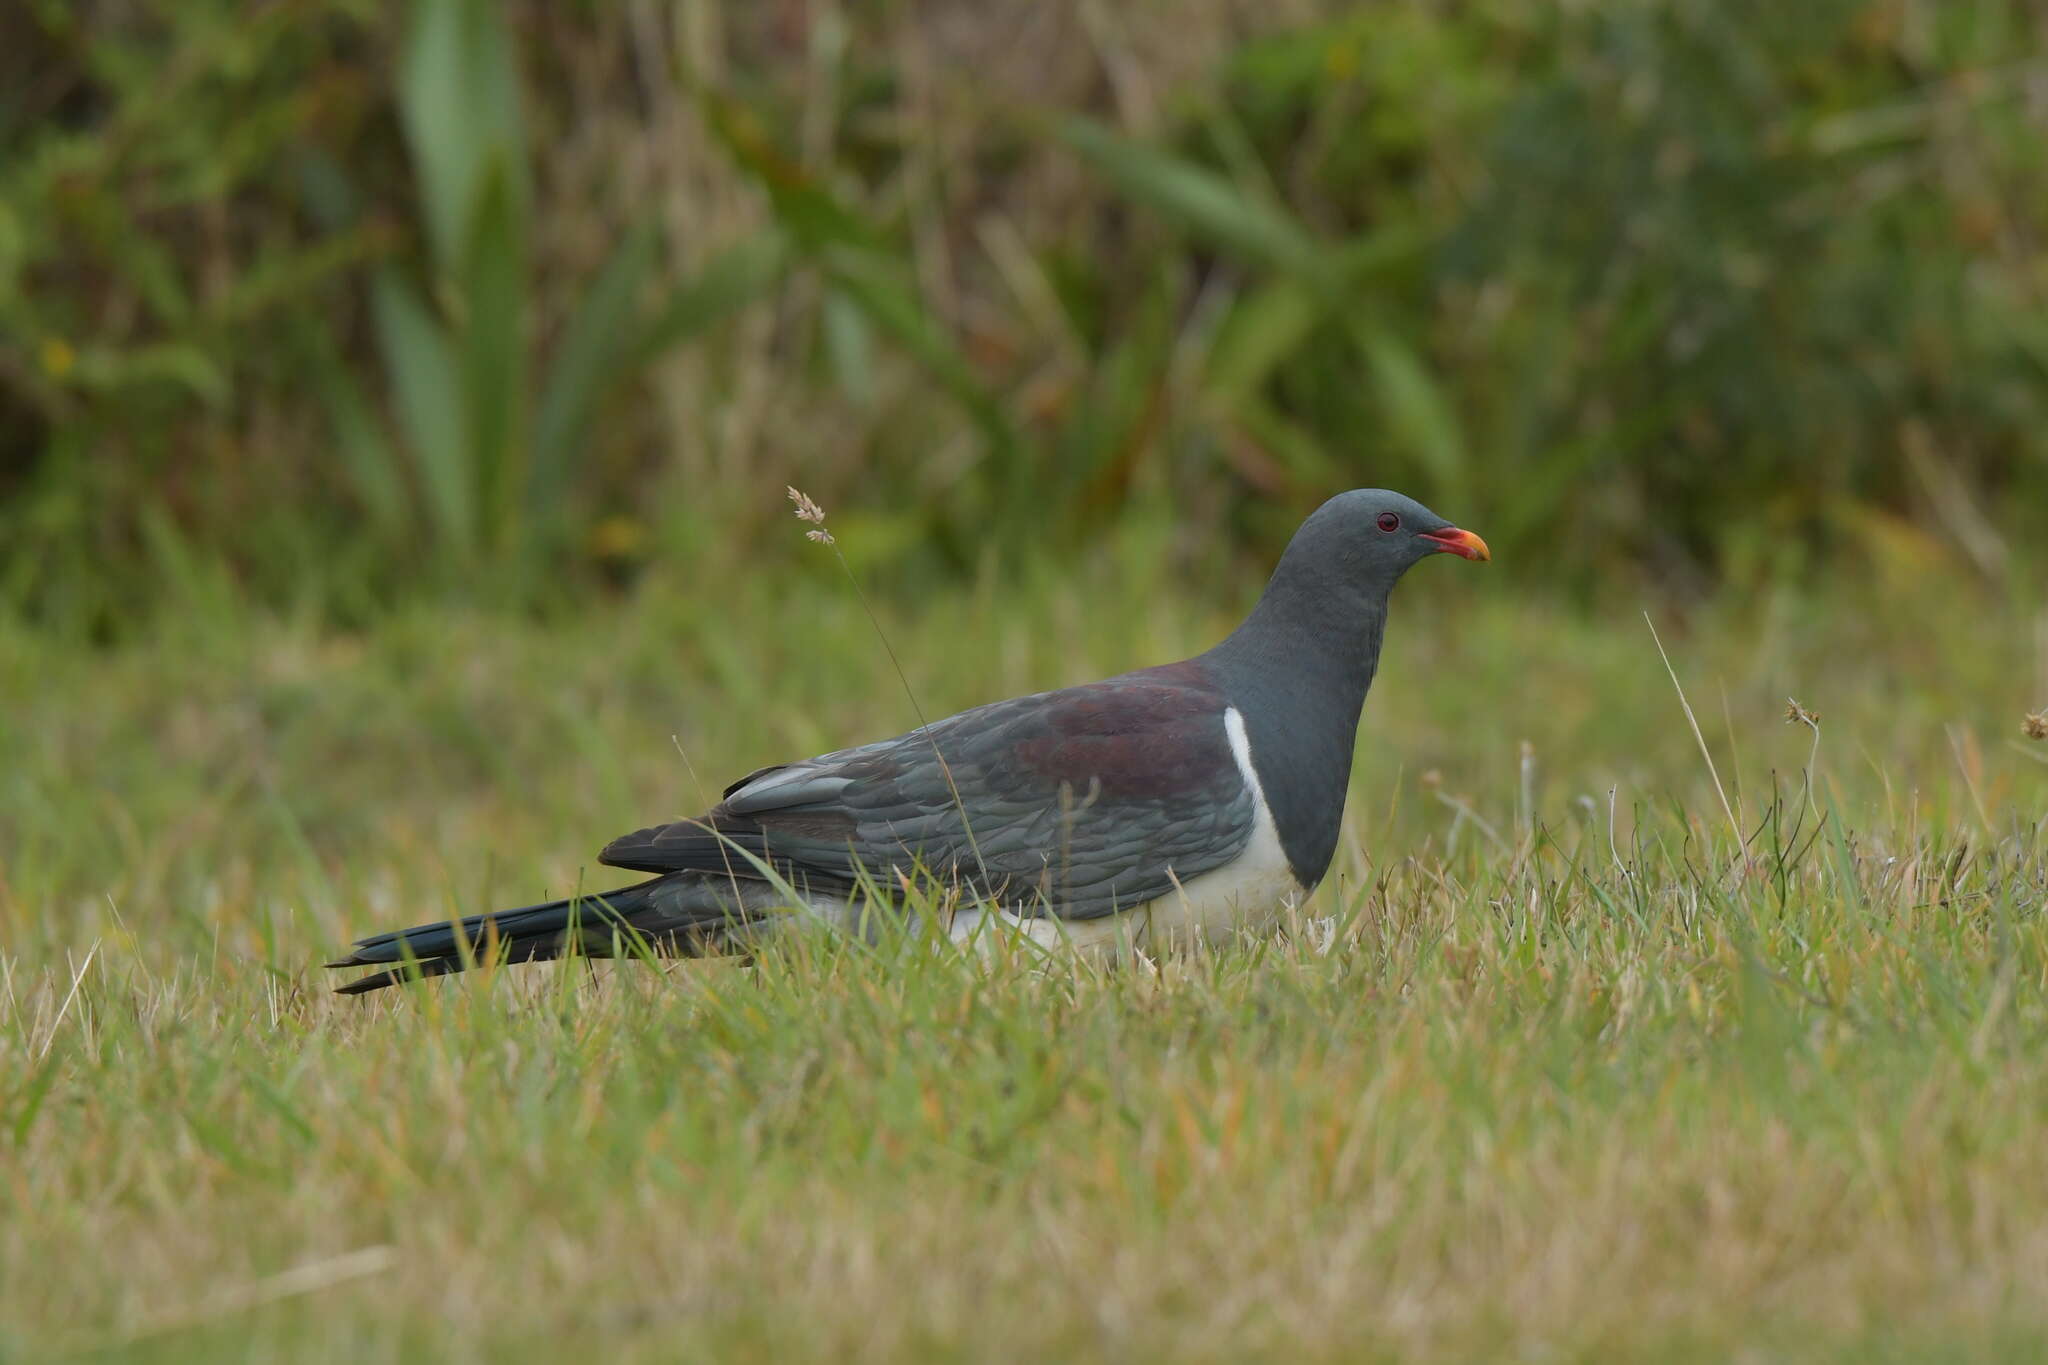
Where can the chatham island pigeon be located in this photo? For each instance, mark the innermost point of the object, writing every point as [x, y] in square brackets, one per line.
[1178, 802]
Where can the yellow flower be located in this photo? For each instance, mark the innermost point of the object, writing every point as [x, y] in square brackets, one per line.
[58, 357]
[617, 537]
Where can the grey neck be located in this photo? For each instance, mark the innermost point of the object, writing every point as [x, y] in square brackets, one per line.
[1298, 670]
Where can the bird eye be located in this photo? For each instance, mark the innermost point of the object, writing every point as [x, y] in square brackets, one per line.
[1389, 522]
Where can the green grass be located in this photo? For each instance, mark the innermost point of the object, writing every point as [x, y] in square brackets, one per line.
[1544, 1073]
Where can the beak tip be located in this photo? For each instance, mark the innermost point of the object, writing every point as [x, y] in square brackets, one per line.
[1452, 540]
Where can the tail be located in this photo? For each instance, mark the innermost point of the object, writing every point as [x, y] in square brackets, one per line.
[531, 933]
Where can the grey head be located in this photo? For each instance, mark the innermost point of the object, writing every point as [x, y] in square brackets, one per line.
[1354, 548]
[1299, 667]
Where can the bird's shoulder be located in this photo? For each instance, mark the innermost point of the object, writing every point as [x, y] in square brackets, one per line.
[1133, 734]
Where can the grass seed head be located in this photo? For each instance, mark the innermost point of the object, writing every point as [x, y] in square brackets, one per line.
[1795, 714]
[808, 511]
[2035, 726]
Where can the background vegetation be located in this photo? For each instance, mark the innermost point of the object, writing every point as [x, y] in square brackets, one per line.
[342, 299]
[395, 403]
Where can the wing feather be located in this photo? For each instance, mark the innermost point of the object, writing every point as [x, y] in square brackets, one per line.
[1080, 801]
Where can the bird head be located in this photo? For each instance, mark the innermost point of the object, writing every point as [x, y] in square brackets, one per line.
[1371, 536]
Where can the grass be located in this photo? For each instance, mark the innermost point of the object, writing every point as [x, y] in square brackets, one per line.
[1551, 1069]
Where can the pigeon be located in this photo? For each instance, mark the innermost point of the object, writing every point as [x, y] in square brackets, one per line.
[1186, 801]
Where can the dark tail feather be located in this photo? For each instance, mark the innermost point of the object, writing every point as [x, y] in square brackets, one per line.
[530, 933]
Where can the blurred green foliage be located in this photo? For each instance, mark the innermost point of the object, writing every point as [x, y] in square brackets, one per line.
[493, 475]
[336, 300]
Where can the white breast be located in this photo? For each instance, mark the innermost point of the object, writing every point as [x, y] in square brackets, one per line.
[1252, 891]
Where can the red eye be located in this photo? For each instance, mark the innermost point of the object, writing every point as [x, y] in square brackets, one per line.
[1389, 522]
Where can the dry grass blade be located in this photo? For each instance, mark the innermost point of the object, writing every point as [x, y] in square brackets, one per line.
[1795, 714]
[77, 978]
[1734, 825]
[310, 1278]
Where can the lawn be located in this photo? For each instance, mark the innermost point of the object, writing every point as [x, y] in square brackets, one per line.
[1606, 1039]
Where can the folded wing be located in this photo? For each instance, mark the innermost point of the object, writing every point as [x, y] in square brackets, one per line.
[1078, 802]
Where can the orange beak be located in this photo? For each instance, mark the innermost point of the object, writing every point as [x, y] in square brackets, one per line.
[1452, 541]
